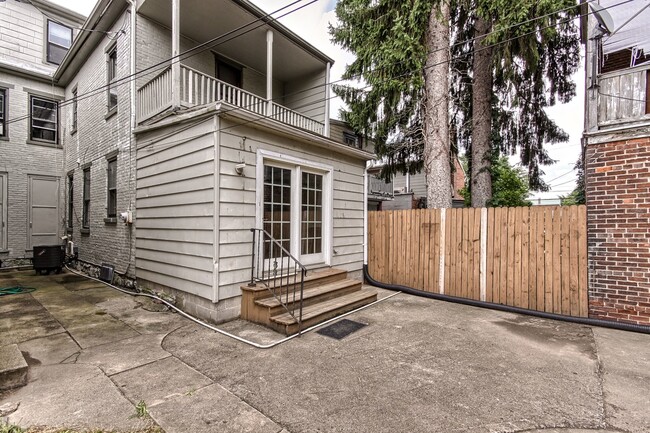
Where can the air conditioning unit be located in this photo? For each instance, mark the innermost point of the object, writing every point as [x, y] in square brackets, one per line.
[106, 272]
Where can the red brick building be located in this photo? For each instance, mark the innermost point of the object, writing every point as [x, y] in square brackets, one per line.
[617, 163]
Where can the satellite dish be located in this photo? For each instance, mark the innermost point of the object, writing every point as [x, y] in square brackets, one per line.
[605, 21]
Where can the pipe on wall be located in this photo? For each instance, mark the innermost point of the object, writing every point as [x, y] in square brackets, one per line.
[509, 309]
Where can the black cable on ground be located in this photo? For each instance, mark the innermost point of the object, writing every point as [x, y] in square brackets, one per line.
[500, 307]
[17, 290]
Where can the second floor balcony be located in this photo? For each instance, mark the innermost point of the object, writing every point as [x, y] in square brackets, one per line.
[262, 67]
[623, 97]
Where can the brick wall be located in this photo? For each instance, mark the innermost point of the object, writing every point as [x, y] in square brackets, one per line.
[99, 135]
[618, 218]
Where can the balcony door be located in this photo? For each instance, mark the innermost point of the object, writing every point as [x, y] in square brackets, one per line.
[295, 209]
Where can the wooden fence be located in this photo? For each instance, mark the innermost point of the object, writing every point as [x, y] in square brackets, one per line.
[534, 258]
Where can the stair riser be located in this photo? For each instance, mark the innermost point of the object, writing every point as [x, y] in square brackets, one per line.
[293, 329]
[316, 299]
[318, 281]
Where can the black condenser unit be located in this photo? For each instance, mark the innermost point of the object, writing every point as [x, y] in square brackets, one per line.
[48, 258]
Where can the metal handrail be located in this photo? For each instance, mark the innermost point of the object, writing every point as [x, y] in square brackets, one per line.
[279, 281]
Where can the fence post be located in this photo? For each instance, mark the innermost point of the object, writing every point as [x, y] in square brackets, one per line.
[483, 269]
[441, 274]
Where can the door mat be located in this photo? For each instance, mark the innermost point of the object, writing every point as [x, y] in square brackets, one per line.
[341, 329]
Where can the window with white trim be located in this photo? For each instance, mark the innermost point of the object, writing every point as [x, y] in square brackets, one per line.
[3, 112]
[111, 193]
[59, 39]
[295, 206]
[85, 218]
[111, 75]
[44, 120]
[74, 109]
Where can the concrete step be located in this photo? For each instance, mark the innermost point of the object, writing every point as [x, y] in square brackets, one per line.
[13, 368]
[323, 311]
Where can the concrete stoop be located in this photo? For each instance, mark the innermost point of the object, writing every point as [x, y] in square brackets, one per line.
[13, 368]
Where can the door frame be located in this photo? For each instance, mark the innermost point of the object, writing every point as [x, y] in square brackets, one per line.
[30, 177]
[296, 165]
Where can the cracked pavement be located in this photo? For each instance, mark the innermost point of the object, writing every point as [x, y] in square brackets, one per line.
[419, 366]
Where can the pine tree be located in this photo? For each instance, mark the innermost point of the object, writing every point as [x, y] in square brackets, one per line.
[402, 62]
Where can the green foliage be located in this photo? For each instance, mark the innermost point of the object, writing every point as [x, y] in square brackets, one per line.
[509, 185]
[577, 196]
[387, 38]
[141, 410]
[532, 68]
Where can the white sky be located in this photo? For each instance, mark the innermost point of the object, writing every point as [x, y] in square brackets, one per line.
[311, 24]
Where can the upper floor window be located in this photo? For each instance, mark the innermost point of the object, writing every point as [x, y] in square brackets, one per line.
[59, 39]
[44, 120]
[85, 213]
[229, 73]
[70, 200]
[111, 74]
[3, 111]
[351, 139]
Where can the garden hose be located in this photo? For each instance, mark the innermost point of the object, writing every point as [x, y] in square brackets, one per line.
[18, 290]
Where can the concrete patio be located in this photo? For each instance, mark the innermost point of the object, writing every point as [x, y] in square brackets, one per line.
[418, 366]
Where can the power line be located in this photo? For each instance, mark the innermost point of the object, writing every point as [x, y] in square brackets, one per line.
[562, 175]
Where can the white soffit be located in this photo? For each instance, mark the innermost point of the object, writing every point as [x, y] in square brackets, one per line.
[635, 33]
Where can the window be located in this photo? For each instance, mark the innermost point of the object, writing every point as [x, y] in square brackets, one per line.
[70, 200]
[112, 188]
[351, 139]
[229, 73]
[74, 109]
[111, 74]
[311, 236]
[59, 39]
[277, 209]
[43, 119]
[85, 223]
[3, 111]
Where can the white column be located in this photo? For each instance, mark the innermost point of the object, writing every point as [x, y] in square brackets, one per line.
[326, 129]
[176, 43]
[269, 72]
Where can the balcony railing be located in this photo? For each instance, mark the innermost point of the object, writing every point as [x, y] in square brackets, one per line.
[198, 88]
[379, 188]
[623, 96]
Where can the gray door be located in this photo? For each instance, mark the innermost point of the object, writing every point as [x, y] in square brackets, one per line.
[43, 224]
[3, 212]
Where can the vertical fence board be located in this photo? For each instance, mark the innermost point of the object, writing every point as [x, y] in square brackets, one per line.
[525, 250]
[516, 289]
[532, 260]
[565, 261]
[476, 240]
[557, 260]
[574, 309]
[503, 274]
[548, 259]
[496, 257]
[490, 253]
[468, 252]
[582, 262]
[511, 258]
[541, 260]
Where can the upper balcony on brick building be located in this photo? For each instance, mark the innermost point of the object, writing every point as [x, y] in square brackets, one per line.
[617, 65]
[227, 52]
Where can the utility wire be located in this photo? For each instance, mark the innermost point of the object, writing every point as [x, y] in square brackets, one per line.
[562, 175]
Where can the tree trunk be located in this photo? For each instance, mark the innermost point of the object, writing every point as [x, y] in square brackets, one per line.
[436, 110]
[481, 182]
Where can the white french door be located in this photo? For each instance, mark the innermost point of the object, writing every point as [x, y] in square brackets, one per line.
[294, 207]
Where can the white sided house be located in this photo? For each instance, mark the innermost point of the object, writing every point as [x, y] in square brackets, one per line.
[233, 137]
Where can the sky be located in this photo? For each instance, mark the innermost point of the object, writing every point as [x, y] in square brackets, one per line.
[311, 23]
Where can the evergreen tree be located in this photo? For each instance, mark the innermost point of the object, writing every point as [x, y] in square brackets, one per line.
[402, 63]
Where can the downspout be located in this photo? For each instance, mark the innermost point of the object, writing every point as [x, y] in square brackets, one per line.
[365, 215]
[134, 124]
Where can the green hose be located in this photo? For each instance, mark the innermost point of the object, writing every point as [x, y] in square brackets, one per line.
[18, 290]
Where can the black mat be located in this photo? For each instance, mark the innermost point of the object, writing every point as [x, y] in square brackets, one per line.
[341, 329]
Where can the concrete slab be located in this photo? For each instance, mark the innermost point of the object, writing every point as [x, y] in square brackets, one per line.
[49, 350]
[124, 355]
[252, 331]
[72, 396]
[107, 331]
[98, 295]
[625, 369]
[212, 409]
[13, 368]
[22, 318]
[419, 366]
[82, 285]
[131, 310]
[160, 381]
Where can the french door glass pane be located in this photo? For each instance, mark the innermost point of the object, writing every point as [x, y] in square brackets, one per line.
[311, 234]
[277, 209]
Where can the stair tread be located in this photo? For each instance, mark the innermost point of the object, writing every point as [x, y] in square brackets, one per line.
[311, 276]
[324, 307]
[309, 293]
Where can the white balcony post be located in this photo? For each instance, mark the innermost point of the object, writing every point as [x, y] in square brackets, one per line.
[326, 123]
[269, 73]
[176, 64]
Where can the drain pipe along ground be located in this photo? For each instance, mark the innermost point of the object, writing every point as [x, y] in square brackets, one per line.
[221, 331]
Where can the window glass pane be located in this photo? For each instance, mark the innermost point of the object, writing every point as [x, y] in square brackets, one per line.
[55, 54]
[44, 121]
[59, 34]
[311, 228]
[2, 112]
